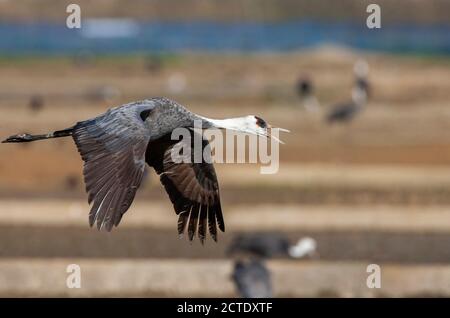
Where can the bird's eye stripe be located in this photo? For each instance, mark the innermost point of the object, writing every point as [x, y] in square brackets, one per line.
[260, 122]
[144, 114]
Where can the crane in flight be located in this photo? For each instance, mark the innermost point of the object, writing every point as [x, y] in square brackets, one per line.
[116, 145]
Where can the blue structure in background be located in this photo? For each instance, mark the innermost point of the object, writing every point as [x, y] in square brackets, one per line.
[174, 37]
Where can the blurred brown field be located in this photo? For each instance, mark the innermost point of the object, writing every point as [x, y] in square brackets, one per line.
[375, 190]
[423, 11]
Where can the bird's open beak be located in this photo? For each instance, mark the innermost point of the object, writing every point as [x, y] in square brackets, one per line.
[249, 125]
[274, 133]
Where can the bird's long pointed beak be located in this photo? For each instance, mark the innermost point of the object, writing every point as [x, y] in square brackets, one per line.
[275, 137]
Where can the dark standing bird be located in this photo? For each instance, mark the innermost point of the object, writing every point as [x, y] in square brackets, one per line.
[305, 90]
[116, 145]
[268, 245]
[304, 86]
[264, 245]
[71, 182]
[36, 103]
[252, 279]
[345, 112]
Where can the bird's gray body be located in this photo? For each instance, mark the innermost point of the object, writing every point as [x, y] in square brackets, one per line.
[345, 112]
[113, 147]
[261, 244]
[162, 116]
[117, 145]
[252, 279]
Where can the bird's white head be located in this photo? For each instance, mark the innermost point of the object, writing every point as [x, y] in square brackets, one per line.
[361, 68]
[306, 246]
[250, 124]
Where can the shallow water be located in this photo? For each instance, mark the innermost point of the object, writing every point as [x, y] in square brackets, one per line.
[129, 36]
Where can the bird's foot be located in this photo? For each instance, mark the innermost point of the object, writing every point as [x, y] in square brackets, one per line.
[19, 138]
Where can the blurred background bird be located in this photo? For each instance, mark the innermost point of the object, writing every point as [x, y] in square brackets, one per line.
[270, 245]
[306, 93]
[345, 112]
[252, 279]
[250, 251]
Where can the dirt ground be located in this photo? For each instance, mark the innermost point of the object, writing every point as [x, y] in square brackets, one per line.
[431, 11]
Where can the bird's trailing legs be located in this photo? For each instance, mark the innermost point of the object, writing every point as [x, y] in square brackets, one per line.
[29, 138]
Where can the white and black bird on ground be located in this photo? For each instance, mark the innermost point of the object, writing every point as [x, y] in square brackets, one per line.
[305, 90]
[269, 245]
[250, 274]
[345, 112]
[252, 279]
[116, 145]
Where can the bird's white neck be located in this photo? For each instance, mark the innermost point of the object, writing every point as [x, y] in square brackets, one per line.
[311, 103]
[359, 96]
[244, 124]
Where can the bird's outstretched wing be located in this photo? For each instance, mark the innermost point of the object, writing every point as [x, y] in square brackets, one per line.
[112, 147]
[192, 187]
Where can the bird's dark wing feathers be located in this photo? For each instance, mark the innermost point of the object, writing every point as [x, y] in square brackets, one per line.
[192, 187]
[113, 150]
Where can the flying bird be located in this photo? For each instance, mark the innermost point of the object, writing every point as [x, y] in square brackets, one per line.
[116, 145]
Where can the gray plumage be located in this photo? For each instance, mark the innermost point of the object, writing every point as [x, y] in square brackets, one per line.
[264, 245]
[345, 112]
[252, 279]
[115, 147]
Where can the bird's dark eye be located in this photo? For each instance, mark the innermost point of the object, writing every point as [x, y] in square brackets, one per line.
[144, 114]
[260, 122]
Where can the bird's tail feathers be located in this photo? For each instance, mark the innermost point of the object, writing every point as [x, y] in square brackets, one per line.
[29, 138]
